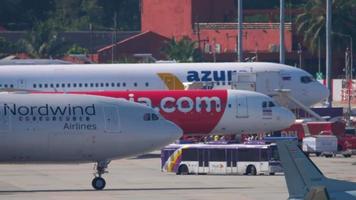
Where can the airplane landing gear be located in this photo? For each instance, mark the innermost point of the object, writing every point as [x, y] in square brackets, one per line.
[98, 182]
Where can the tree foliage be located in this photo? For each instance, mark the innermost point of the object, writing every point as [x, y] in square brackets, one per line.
[75, 49]
[182, 50]
[43, 42]
[71, 14]
[312, 22]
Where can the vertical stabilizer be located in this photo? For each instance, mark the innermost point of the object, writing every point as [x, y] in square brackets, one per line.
[300, 172]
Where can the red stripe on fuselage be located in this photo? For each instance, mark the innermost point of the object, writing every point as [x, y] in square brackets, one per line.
[194, 111]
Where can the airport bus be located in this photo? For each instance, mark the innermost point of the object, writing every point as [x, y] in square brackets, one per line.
[246, 159]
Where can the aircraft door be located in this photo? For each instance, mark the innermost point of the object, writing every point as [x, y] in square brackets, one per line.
[268, 82]
[21, 84]
[112, 119]
[244, 81]
[242, 107]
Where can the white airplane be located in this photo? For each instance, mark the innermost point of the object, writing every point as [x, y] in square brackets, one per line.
[261, 77]
[305, 181]
[69, 128]
[211, 112]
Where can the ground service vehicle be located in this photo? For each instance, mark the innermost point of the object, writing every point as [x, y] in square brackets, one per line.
[220, 159]
[320, 145]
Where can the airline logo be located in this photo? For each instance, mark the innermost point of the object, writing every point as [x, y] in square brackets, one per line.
[74, 118]
[196, 112]
[209, 76]
[47, 110]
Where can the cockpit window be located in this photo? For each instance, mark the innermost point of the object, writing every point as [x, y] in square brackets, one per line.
[264, 104]
[150, 117]
[306, 79]
[271, 104]
[154, 117]
[147, 117]
[286, 78]
[268, 104]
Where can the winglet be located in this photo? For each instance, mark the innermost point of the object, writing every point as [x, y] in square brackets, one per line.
[171, 81]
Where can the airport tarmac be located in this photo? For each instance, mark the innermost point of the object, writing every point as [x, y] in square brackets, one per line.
[141, 179]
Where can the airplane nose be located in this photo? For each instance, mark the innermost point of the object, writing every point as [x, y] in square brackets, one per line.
[287, 118]
[172, 130]
[318, 93]
[324, 92]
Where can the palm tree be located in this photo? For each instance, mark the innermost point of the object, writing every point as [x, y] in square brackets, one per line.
[181, 51]
[311, 23]
[43, 42]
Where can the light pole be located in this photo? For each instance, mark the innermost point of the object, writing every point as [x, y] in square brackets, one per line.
[351, 49]
[281, 33]
[328, 50]
[239, 31]
[300, 51]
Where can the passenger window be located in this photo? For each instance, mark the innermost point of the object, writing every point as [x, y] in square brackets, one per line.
[34, 86]
[85, 84]
[46, 85]
[147, 117]
[39, 85]
[74, 85]
[68, 85]
[80, 85]
[117, 84]
[52, 85]
[11, 86]
[101, 84]
[147, 84]
[57, 85]
[96, 84]
[124, 84]
[5, 85]
[107, 84]
[63, 85]
[112, 84]
[135, 84]
[154, 117]
[91, 84]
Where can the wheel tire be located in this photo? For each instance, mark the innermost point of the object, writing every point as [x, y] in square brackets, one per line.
[183, 170]
[251, 170]
[272, 173]
[98, 183]
[318, 154]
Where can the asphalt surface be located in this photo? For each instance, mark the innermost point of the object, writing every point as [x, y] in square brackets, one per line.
[141, 178]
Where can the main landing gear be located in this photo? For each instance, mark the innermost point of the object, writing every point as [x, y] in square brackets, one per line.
[98, 182]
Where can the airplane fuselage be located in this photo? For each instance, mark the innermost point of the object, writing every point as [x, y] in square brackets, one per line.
[260, 77]
[61, 128]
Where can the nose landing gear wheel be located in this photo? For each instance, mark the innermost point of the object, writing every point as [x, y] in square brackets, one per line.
[98, 183]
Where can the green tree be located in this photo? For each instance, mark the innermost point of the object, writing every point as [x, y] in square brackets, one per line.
[75, 49]
[77, 14]
[311, 23]
[43, 42]
[182, 50]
